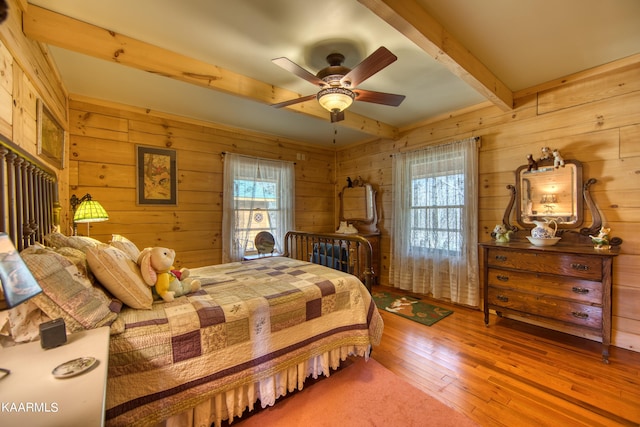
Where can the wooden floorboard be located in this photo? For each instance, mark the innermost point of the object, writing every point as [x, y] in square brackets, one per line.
[511, 373]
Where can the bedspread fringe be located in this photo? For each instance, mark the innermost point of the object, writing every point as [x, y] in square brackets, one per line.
[233, 403]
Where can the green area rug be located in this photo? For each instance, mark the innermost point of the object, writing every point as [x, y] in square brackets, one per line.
[410, 307]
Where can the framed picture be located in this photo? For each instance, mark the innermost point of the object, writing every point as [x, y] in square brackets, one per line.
[50, 136]
[156, 180]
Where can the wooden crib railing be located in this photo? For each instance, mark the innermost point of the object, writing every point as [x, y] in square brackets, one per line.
[29, 207]
[349, 253]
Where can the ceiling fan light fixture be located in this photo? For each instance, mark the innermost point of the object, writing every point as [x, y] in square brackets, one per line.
[335, 99]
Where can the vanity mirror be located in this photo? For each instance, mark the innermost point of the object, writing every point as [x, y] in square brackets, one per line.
[546, 191]
[358, 206]
[550, 192]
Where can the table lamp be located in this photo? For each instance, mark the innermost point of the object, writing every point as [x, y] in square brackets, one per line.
[86, 210]
[18, 284]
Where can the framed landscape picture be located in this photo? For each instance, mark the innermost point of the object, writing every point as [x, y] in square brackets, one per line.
[156, 176]
[50, 137]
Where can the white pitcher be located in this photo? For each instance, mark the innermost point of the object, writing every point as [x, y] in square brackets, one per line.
[542, 230]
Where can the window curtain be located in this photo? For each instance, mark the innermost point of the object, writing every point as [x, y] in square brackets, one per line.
[235, 233]
[437, 270]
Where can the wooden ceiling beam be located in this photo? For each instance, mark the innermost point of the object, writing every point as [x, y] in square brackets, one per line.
[410, 18]
[62, 31]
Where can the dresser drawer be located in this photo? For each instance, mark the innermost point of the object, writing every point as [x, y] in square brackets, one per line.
[552, 308]
[581, 290]
[573, 265]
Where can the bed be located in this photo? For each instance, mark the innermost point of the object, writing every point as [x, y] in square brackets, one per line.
[254, 332]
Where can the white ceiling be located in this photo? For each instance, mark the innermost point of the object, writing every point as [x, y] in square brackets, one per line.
[523, 43]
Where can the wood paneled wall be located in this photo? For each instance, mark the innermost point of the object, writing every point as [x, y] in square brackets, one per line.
[103, 139]
[594, 120]
[26, 75]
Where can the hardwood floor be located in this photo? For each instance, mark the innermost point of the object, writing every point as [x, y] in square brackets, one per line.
[511, 373]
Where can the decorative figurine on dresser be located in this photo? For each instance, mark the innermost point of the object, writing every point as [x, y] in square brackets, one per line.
[359, 216]
[549, 271]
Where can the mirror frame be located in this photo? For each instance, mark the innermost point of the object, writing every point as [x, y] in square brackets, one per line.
[364, 224]
[570, 232]
[577, 190]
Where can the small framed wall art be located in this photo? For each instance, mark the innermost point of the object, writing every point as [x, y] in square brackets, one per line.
[156, 176]
[50, 139]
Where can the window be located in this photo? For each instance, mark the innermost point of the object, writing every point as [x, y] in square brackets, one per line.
[257, 209]
[258, 196]
[435, 224]
[436, 212]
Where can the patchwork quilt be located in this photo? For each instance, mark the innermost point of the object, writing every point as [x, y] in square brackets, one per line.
[250, 321]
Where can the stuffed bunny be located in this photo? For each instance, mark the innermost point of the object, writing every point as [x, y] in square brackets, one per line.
[156, 266]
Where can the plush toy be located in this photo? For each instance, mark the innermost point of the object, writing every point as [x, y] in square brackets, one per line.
[156, 266]
[557, 159]
[545, 153]
[533, 165]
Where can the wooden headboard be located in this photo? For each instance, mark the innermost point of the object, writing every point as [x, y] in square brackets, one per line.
[29, 207]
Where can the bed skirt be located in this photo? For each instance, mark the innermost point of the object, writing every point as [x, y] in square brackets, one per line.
[233, 403]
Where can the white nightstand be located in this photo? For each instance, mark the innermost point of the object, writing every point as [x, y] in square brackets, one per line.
[31, 395]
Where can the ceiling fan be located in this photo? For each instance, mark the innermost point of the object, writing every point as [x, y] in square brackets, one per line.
[338, 83]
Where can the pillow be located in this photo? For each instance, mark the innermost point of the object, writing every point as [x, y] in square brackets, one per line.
[59, 240]
[126, 246]
[78, 258]
[82, 242]
[120, 275]
[67, 293]
[56, 240]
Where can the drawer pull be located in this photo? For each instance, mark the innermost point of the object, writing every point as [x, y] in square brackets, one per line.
[579, 267]
[502, 298]
[502, 278]
[582, 291]
[580, 314]
[501, 258]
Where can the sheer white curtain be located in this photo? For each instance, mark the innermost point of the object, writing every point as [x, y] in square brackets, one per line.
[435, 224]
[253, 185]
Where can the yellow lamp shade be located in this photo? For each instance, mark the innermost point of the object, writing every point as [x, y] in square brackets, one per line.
[90, 211]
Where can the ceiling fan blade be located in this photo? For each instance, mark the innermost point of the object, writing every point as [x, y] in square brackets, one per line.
[368, 67]
[294, 68]
[337, 116]
[379, 97]
[294, 101]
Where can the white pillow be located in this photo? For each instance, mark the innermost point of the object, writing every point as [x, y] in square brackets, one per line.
[126, 246]
[115, 270]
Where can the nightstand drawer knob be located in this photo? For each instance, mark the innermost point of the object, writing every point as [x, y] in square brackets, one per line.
[501, 258]
[581, 291]
[502, 298]
[579, 267]
[502, 278]
[580, 314]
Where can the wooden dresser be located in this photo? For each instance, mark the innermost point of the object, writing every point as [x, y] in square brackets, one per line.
[564, 287]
